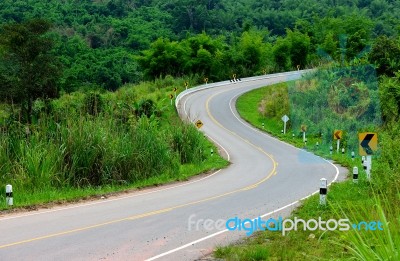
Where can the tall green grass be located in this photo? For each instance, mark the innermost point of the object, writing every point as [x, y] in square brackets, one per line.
[90, 143]
[378, 200]
[365, 244]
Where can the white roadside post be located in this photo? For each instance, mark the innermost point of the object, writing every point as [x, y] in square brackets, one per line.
[323, 191]
[9, 195]
[355, 175]
[365, 167]
[285, 119]
[368, 164]
[364, 164]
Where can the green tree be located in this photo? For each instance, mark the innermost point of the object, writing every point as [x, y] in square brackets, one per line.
[300, 47]
[385, 54]
[28, 69]
[281, 52]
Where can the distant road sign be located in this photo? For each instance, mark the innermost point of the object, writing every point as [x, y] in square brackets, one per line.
[368, 143]
[285, 118]
[337, 134]
[199, 124]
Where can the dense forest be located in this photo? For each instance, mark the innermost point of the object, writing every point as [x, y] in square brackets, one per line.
[81, 50]
[107, 43]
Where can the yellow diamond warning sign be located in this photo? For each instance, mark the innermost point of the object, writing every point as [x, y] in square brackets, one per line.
[368, 143]
[337, 135]
[199, 124]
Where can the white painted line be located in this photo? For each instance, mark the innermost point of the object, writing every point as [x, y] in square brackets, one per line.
[108, 200]
[40, 212]
[271, 137]
[262, 216]
[226, 230]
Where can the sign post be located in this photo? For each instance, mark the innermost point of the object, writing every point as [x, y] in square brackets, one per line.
[9, 195]
[285, 119]
[368, 144]
[323, 191]
[337, 135]
[355, 175]
[304, 129]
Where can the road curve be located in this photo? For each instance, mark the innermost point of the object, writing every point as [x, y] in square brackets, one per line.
[266, 178]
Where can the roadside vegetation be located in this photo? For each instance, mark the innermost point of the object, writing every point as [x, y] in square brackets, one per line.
[375, 200]
[106, 44]
[85, 109]
[91, 144]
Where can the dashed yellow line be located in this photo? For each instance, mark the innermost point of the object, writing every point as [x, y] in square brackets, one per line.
[157, 212]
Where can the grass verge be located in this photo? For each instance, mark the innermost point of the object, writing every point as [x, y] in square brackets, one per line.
[87, 145]
[366, 201]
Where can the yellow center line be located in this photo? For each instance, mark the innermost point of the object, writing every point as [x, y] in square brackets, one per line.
[156, 212]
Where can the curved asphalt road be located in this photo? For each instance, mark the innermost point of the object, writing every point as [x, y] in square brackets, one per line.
[266, 177]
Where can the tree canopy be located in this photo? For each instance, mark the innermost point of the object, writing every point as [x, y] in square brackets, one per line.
[104, 44]
[28, 68]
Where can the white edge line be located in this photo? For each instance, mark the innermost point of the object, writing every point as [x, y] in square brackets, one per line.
[271, 137]
[213, 140]
[264, 215]
[40, 212]
[109, 200]
[226, 230]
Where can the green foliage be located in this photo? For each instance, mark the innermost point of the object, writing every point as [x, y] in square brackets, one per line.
[186, 141]
[282, 54]
[145, 107]
[101, 44]
[337, 98]
[300, 48]
[274, 102]
[365, 201]
[28, 70]
[93, 103]
[390, 93]
[385, 54]
[93, 140]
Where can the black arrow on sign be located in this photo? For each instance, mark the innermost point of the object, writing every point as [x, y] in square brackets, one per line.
[365, 143]
[337, 135]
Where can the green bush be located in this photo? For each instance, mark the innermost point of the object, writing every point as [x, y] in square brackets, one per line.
[188, 143]
[93, 103]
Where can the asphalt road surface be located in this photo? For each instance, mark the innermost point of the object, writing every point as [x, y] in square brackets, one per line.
[183, 221]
